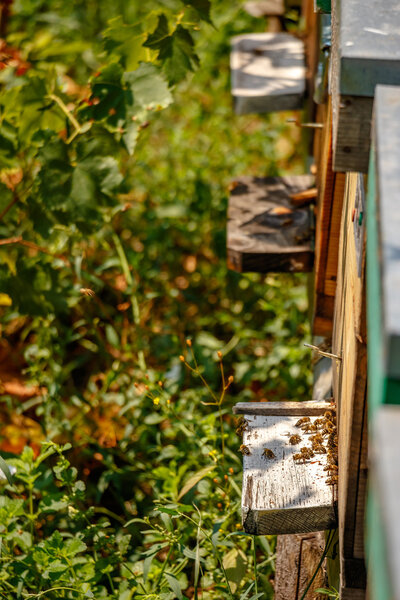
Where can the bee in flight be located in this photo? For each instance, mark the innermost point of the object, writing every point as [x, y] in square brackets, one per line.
[241, 425]
[244, 450]
[87, 292]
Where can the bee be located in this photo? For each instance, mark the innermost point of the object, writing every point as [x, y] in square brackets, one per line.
[244, 450]
[267, 453]
[294, 439]
[308, 427]
[298, 456]
[332, 480]
[317, 438]
[329, 416]
[304, 454]
[331, 468]
[329, 427]
[332, 457]
[301, 421]
[332, 440]
[87, 292]
[318, 448]
[307, 452]
[242, 425]
[319, 423]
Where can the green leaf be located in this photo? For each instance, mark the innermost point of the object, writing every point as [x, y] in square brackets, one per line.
[148, 87]
[175, 51]
[235, 565]
[6, 470]
[203, 8]
[174, 585]
[194, 479]
[157, 39]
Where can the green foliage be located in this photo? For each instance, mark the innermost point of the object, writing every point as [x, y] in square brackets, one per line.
[112, 253]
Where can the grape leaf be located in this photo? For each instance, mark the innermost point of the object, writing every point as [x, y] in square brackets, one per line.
[202, 7]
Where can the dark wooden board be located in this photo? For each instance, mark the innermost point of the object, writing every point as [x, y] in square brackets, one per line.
[266, 232]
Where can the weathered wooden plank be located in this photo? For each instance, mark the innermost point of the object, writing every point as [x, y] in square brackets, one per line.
[386, 485]
[265, 8]
[297, 558]
[351, 132]
[322, 388]
[268, 72]
[349, 387]
[329, 210]
[283, 408]
[266, 231]
[387, 143]
[282, 495]
[365, 52]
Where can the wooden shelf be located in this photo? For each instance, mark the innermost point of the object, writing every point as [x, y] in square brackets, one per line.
[281, 495]
[266, 232]
[268, 72]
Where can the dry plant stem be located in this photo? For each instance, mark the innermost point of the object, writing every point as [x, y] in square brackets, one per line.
[135, 304]
[9, 206]
[217, 402]
[69, 116]
[19, 240]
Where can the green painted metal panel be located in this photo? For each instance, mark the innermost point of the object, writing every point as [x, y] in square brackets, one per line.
[377, 565]
[323, 6]
[376, 377]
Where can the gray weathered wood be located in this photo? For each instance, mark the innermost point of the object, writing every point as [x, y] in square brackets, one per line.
[266, 231]
[322, 388]
[351, 120]
[365, 52]
[368, 45]
[297, 558]
[282, 408]
[386, 484]
[281, 495]
[268, 72]
[387, 160]
[265, 8]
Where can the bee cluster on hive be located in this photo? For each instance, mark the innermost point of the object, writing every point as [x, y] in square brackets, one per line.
[322, 441]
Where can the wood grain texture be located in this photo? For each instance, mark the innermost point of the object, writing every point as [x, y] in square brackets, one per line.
[297, 557]
[352, 117]
[281, 495]
[349, 388]
[267, 72]
[282, 408]
[266, 232]
[329, 211]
